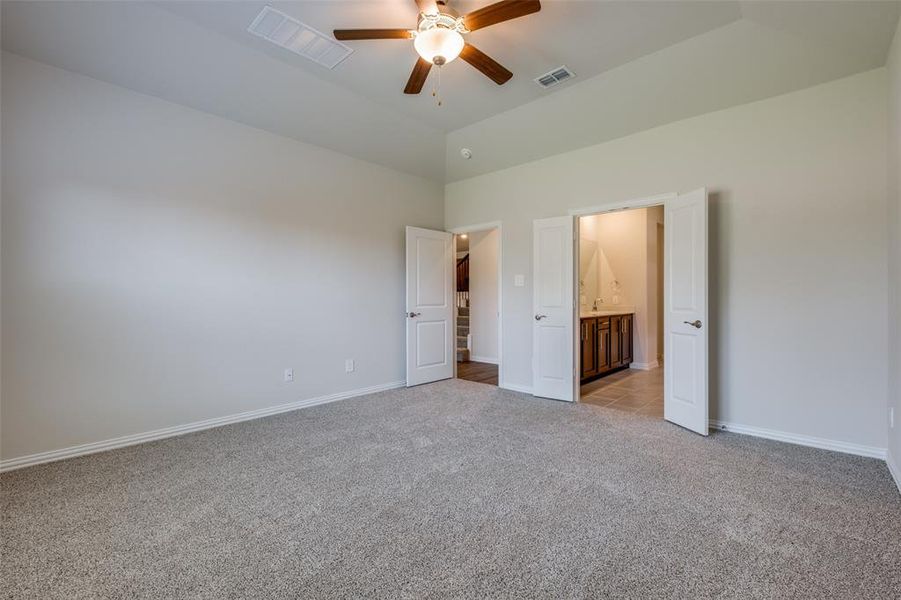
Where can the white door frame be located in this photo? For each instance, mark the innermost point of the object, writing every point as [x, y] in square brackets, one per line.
[646, 202]
[500, 289]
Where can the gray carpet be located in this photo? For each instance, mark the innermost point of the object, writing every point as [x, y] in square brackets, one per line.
[455, 489]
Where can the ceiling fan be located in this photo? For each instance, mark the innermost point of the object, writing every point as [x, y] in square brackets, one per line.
[438, 37]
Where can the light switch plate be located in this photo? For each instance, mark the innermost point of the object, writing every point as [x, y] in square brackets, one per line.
[289, 375]
[519, 280]
[349, 365]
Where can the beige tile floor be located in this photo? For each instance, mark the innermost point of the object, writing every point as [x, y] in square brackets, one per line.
[630, 390]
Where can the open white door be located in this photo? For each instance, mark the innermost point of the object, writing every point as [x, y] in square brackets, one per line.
[553, 375]
[685, 312]
[430, 306]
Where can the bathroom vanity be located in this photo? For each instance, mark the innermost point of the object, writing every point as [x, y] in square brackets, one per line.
[606, 340]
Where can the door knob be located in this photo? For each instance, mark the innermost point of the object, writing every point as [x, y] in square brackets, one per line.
[413, 315]
[696, 324]
[539, 317]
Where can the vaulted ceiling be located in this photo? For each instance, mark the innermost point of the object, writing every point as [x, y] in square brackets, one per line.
[638, 65]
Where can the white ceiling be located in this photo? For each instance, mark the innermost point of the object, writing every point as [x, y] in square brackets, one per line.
[200, 54]
[589, 37]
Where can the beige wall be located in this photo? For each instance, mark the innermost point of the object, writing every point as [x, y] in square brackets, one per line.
[162, 266]
[797, 245]
[483, 294]
[894, 221]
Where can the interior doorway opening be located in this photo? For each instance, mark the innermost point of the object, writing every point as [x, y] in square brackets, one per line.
[477, 305]
[621, 299]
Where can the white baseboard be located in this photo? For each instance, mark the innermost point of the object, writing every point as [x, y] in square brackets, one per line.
[167, 432]
[894, 469]
[483, 359]
[525, 389]
[644, 366]
[802, 440]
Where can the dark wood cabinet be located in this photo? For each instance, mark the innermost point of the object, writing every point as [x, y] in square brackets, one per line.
[589, 358]
[626, 341]
[602, 347]
[606, 344]
[616, 326]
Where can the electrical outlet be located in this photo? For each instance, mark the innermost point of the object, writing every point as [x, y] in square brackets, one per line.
[289, 375]
[349, 365]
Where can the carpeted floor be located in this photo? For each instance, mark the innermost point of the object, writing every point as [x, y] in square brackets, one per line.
[455, 489]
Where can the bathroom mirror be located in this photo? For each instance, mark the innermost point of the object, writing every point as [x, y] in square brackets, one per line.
[588, 271]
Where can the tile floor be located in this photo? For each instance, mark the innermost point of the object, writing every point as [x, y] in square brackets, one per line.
[629, 390]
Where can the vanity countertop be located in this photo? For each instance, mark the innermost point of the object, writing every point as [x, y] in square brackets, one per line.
[608, 311]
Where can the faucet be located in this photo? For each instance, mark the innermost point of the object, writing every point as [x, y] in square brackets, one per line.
[596, 302]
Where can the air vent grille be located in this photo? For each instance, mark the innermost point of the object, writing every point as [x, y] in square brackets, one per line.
[552, 78]
[289, 33]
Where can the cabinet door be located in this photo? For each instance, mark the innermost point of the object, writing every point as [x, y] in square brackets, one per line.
[616, 356]
[603, 345]
[589, 357]
[627, 341]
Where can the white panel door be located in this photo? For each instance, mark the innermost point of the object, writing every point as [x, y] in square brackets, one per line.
[553, 375]
[430, 306]
[685, 311]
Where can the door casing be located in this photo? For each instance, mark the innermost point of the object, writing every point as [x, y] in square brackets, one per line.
[500, 288]
[645, 202]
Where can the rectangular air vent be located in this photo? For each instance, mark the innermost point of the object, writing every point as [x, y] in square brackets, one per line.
[289, 33]
[552, 78]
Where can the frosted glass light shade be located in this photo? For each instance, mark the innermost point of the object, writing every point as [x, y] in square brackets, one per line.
[438, 42]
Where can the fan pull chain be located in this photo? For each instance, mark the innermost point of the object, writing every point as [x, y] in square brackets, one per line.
[436, 89]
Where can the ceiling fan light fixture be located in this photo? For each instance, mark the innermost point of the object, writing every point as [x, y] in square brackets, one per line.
[438, 45]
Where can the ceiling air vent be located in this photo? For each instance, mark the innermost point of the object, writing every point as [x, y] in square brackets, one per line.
[289, 33]
[552, 78]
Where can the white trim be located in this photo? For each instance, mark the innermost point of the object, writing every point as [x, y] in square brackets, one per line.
[167, 432]
[894, 469]
[645, 202]
[524, 389]
[644, 366]
[500, 290]
[483, 359]
[801, 440]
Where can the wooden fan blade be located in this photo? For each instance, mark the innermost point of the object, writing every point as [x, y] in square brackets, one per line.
[418, 76]
[373, 34]
[500, 12]
[487, 65]
[429, 7]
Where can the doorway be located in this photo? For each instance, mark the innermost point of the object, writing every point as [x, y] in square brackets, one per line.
[556, 343]
[477, 305]
[620, 306]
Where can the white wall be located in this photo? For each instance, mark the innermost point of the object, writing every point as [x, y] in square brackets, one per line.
[162, 266]
[483, 290]
[894, 220]
[797, 247]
